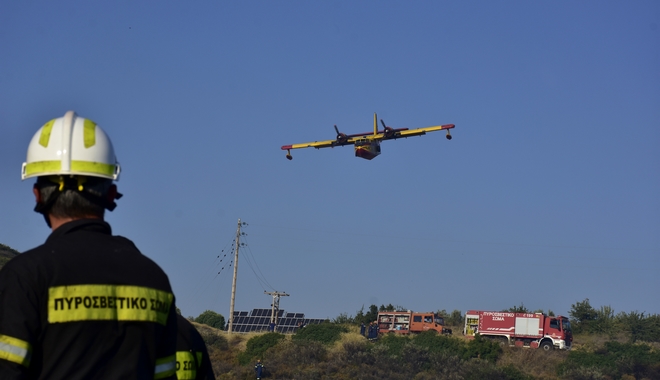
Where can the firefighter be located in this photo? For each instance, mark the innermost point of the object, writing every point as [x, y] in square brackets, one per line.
[192, 357]
[85, 304]
[259, 369]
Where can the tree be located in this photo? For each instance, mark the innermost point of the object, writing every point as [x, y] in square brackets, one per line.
[640, 327]
[518, 309]
[343, 318]
[582, 314]
[389, 307]
[211, 318]
[372, 315]
[455, 318]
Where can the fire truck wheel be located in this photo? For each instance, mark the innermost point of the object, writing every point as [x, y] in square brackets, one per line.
[547, 346]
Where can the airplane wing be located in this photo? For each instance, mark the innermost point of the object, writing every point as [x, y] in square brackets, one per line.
[416, 132]
[321, 144]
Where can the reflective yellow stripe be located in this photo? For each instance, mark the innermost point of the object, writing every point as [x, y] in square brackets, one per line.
[186, 368]
[43, 167]
[55, 167]
[165, 367]
[15, 350]
[92, 167]
[89, 133]
[44, 137]
[108, 302]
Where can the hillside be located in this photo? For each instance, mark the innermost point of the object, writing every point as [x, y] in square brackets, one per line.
[6, 253]
[331, 351]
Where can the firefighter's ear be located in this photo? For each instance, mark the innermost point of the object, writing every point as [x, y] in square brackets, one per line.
[37, 193]
[112, 193]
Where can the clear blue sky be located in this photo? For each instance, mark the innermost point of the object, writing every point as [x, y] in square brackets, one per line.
[548, 194]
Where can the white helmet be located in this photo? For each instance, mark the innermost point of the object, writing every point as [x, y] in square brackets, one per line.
[71, 145]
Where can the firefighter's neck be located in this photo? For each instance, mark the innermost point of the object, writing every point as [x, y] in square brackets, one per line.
[56, 222]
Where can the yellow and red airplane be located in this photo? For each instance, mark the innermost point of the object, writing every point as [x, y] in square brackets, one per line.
[367, 145]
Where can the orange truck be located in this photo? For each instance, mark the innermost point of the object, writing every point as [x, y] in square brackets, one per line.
[406, 322]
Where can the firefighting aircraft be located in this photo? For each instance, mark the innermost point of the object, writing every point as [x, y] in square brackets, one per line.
[367, 145]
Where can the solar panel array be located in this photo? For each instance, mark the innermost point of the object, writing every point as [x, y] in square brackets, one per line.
[258, 320]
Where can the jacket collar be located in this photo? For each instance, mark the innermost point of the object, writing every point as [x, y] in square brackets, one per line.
[95, 225]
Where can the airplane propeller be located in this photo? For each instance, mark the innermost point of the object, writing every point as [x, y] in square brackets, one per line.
[388, 131]
[341, 137]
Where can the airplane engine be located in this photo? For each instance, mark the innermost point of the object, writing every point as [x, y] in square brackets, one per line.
[389, 132]
[341, 137]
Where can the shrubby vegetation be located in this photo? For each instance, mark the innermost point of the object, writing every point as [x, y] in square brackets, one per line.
[325, 333]
[211, 318]
[257, 346]
[606, 346]
[615, 361]
[6, 254]
[637, 326]
[321, 354]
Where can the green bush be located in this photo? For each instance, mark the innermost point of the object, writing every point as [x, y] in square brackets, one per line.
[640, 327]
[438, 343]
[482, 348]
[211, 318]
[415, 359]
[257, 346]
[6, 254]
[392, 343]
[513, 373]
[613, 360]
[325, 333]
[291, 359]
[214, 340]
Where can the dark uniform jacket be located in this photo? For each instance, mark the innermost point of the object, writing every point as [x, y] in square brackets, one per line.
[192, 358]
[86, 305]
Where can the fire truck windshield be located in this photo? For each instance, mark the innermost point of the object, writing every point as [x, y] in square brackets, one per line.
[439, 320]
[565, 325]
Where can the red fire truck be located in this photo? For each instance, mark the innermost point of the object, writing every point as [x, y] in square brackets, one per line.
[520, 329]
[406, 322]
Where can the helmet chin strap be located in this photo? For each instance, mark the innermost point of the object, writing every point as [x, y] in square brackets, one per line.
[73, 184]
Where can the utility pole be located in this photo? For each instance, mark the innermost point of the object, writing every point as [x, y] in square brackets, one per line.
[233, 284]
[275, 306]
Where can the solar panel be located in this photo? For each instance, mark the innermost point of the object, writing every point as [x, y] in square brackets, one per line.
[258, 320]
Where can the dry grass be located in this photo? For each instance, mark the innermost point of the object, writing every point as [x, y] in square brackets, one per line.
[352, 337]
[538, 363]
[590, 342]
